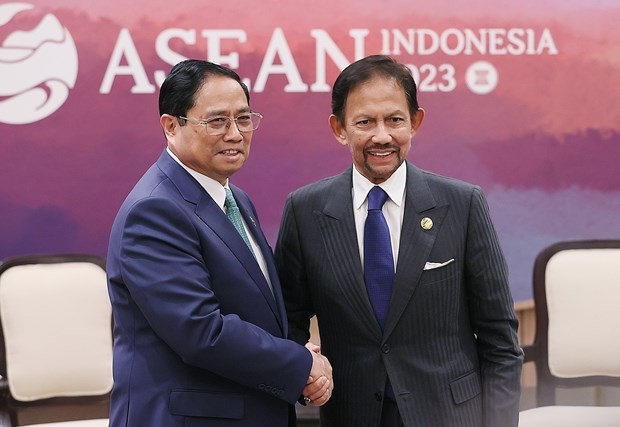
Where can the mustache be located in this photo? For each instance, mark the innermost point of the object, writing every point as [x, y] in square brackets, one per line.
[376, 146]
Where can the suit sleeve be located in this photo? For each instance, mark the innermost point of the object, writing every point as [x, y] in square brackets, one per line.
[291, 270]
[162, 265]
[493, 318]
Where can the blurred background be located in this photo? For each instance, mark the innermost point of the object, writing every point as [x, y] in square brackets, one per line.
[521, 98]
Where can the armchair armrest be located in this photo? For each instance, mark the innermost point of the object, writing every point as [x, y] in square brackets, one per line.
[5, 395]
[529, 353]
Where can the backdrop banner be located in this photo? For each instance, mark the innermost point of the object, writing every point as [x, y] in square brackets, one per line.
[521, 98]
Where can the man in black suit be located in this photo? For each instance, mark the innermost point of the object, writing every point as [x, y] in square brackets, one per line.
[431, 340]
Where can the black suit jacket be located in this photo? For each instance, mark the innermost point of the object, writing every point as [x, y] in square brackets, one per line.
[450, 345]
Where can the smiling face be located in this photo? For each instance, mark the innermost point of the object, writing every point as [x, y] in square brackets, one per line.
[217, 157]
[377, 126]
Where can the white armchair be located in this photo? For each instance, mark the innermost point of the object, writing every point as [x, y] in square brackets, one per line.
[577, 341]
[55, 341]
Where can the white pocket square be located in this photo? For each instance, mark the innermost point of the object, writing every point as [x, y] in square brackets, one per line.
[434, 265]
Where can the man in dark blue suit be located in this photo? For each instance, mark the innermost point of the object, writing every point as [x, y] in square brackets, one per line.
[200, 327]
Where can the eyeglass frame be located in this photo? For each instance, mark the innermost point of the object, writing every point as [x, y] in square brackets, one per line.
[226, 127]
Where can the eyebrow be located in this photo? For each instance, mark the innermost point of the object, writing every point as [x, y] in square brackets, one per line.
[225, 112]
[368, 116]
[397, 112]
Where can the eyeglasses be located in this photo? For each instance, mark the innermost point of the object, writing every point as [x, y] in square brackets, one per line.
[218, 125]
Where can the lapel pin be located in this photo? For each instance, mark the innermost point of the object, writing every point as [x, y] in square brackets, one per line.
[426, 223]
[253, 223]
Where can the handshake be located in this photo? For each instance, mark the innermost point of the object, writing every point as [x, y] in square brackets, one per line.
[320, 383]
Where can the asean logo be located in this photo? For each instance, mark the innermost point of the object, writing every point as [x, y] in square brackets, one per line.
[38, 66]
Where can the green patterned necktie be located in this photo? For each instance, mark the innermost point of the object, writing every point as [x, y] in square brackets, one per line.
[234, 215]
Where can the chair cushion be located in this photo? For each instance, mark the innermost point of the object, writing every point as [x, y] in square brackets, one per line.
[582, 300]
[56, 320]
[571, 416]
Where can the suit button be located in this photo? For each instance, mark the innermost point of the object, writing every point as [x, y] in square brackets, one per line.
[378, 396]
[385, 348]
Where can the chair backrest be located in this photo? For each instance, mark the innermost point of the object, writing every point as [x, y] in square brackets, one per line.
[55, 333]
[577, 305]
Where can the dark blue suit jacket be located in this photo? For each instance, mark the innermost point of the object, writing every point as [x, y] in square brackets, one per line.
[199, 338]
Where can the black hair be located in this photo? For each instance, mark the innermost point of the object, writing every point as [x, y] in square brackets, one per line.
[364, 70]
[178, 92]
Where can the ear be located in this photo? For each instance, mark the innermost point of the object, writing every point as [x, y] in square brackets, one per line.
[337, 129]
[416, 120]
[169, 125]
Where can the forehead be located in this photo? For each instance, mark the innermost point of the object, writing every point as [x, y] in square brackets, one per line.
[379, 94]
[220, 93]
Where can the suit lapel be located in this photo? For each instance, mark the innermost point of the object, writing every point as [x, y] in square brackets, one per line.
[415, 242]
[261, 240]
[213, 216]
[338, 231]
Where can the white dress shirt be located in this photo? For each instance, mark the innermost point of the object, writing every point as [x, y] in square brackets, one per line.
[218, 194]
[393, 209]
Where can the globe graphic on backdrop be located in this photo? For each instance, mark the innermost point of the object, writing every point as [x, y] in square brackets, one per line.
[38, 67]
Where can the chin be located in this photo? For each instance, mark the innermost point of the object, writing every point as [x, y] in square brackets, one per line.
[380, 174]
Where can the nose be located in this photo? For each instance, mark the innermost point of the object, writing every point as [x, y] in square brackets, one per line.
[381, 134]
[232, 132]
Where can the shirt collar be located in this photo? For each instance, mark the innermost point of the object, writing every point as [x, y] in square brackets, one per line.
[394, 186]
[211, 186]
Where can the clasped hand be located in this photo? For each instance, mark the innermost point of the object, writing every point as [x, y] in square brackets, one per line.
[320, 383]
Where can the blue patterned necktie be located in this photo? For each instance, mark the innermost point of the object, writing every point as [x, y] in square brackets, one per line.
[378, 259]
[234, 215]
